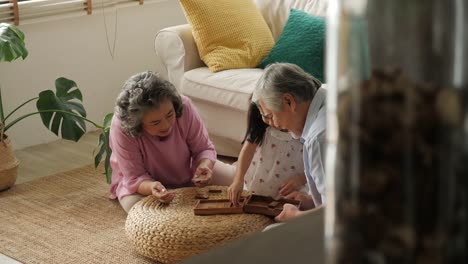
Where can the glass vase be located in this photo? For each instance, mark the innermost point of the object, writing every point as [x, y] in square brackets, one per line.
[397, 131]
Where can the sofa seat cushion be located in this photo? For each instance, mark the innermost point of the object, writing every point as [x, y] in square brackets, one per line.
[230, 88]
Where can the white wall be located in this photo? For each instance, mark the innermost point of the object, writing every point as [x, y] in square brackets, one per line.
[77, 48]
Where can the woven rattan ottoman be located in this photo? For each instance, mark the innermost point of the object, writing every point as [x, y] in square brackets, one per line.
[170, 233]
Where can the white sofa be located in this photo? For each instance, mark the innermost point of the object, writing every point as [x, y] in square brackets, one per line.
[222, 98]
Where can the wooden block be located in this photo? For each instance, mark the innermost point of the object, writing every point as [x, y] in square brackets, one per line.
[273, 204]
[265, 205]
[217, 206]
[201, 195]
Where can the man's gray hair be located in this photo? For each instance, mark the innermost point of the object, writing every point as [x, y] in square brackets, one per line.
[140, 93]
[280, 78]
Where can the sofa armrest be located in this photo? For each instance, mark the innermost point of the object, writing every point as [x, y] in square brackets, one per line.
[178, 52]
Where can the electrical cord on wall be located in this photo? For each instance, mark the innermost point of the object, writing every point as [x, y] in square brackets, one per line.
[111, 51]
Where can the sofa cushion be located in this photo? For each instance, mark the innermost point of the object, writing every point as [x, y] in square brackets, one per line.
[230, 88]
[229, 34]
[276, 12]
[302, 43]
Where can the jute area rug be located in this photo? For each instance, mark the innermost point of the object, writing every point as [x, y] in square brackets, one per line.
[64, 218]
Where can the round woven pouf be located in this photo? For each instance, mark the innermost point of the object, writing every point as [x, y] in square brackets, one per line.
[170, 233]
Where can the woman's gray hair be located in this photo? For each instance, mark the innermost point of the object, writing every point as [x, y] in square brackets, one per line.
[140, 93]
[280, 78]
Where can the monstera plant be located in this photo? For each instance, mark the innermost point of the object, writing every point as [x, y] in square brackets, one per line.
[61, 112]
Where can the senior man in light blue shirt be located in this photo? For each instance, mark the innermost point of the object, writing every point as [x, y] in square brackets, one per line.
[289, 98]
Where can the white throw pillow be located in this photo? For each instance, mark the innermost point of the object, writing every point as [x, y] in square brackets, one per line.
[276, 12]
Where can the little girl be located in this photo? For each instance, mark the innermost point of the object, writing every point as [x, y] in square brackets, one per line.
[270, 162]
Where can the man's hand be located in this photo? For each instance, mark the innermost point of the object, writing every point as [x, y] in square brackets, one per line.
[158, 190]
[235, 192]
[292, 184]
[289, 212]
[203, 175]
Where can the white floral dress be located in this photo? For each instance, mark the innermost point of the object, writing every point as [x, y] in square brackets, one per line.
[275, 161]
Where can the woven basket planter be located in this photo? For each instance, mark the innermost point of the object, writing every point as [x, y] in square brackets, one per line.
[8, 165]
[170, 233]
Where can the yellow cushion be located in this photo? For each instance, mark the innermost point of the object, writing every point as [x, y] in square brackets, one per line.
[230, 34]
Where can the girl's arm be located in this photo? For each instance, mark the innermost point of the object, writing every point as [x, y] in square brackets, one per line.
[237, 185]
[245, 158]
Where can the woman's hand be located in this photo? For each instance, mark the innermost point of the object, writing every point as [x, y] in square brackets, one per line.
[292, 184]
[235, 191]
[203, 175]
[158, 190]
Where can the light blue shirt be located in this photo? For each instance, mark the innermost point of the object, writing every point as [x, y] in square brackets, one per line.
[313, 138]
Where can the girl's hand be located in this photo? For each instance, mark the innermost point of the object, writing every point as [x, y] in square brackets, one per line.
[292, 184]
[203, 176]
[158, 190]
[235, 192]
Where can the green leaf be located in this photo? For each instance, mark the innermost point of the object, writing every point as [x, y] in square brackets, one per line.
[12, 44]
[67, 98]
[103, 147]
[108, 121]
[108, 168]
[64, 86]
[2, 114]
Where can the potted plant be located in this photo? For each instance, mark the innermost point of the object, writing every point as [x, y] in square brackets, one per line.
[62, 111]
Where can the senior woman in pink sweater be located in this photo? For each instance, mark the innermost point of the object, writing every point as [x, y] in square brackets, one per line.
[158, 141]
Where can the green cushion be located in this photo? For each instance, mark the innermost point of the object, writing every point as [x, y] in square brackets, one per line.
[302, 43]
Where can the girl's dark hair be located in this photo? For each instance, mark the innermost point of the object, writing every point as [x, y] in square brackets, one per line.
[255, 126]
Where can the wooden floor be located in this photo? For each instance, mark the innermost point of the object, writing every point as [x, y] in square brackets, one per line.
[55, 157]
[58, 156]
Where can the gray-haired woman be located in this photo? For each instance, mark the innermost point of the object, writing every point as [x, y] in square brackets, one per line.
[158, 140]
[289, 98]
